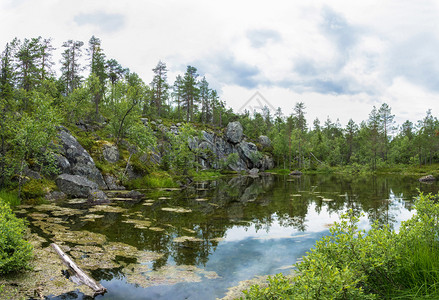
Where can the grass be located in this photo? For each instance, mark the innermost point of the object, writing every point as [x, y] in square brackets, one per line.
[158, 179]
[10, 197]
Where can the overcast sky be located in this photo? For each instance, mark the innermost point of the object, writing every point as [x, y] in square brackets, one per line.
[338, 57]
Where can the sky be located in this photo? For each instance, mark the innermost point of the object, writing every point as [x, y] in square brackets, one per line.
[340, 58]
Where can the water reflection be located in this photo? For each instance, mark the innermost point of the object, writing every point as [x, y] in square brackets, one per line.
[232, 229]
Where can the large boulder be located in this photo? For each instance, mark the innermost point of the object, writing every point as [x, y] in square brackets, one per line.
[81, 163]
[234, 132]
[249, 153]
[75, 185]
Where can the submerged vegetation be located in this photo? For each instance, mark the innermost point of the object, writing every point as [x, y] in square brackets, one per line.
[378, 264]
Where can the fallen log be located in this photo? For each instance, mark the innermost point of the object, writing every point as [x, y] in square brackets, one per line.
[83, 278]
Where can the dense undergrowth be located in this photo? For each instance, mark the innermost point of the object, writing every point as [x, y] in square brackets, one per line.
[15, 251]
[379, 264]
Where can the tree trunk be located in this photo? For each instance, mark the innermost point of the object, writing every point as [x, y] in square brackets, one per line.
[84, 278]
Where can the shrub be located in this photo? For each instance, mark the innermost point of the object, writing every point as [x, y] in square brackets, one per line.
[380, 264]
[15, 251]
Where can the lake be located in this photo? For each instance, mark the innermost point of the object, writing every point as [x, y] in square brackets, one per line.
[197, 242]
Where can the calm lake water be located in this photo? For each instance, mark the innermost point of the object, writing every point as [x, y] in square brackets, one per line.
[197, 242]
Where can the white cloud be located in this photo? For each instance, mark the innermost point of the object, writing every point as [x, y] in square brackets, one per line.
[339, 57]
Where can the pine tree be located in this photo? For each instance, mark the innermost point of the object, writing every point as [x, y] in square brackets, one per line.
[190, 92]
[177, 94]
[350, 133]
[386, 125]
[204, 98]
[373, 124]
[98, 69]
[46, 62]
[159, 87]
[27, 54]
[70, 66]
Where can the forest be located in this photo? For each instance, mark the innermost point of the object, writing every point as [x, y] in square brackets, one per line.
[94, 89]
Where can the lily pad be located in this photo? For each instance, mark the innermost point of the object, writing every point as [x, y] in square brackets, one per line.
[177, 209]
[182, 239]
[107, 208]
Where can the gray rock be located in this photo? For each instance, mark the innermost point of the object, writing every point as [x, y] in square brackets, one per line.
[75, 185]
[32, 174]
[254, 172]
[131, 173]
[134, 195]
[234, 132]
[97, 197]
[248, 152]
[112, 183]
[110, 153]
[427, 178]
[55, 195]
[90, 172]
[264, 141]
[296, 173]
[153, 123]
[205, 149]
[193, 143]
[63, 164]
[81, 163]
[144, 121]
[267, 163]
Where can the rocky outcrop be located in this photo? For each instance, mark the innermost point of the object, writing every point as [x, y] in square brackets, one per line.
[428, 178]
[110, 153]
[264, 141]
[75, 160]
[234, 132]
[213, 150]
[75, 185]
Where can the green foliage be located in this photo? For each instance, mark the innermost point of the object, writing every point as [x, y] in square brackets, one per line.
[279, 288]
[379, 264]
[15, 251]
[10, 197]
[153, 180]
[37, 188]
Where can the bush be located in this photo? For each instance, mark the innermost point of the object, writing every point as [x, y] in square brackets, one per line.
[379, 264]
[15, 251]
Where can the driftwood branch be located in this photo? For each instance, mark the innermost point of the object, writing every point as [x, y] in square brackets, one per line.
[84, 278]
